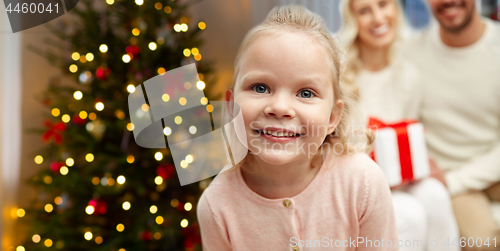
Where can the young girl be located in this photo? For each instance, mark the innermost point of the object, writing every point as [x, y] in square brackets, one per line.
[299, 188]
[388, 88]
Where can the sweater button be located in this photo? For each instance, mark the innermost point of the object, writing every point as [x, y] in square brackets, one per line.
[296, 248]
[287, 203]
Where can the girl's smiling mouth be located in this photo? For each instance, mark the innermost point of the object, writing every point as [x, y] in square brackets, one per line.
[278, 134]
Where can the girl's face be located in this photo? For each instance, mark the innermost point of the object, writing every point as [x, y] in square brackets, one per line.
[285, 91]
[376, 21]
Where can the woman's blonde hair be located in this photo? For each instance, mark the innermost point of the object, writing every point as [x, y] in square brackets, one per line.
[295, 18]
[350, 40]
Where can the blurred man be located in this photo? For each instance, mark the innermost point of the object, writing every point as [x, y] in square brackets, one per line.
[460, 63]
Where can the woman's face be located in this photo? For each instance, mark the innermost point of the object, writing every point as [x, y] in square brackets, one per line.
[376, 21]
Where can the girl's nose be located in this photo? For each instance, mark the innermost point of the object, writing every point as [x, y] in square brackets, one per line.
[378, 16]
[280, 107]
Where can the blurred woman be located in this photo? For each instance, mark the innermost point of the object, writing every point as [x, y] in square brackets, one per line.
[387, 87]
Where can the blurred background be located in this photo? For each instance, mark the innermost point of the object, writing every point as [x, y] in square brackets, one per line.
[71, 176]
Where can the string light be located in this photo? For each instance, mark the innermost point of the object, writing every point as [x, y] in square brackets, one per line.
[121, 179]
[136, 32]
[167, 131]
[130, 126]
[178, 120]
[202, 25]
[70, 161]
[126, 58]
[98, 240]
[55, 112]
[89, 210]
[160, 40]
[89, 157]
[197, 57]
[120, 114]
[36, 238]
[188, 206]
[89, 57]
[20, 213]
[139, 2]
[159, 220]
[120, 227]
[182, 101]
[99, 106]
[126, 205]
[47, 179]
[158, 6]
[192, 129]
[82, 114]
[184, 163]
[65, 118]
[48, 208]
[187, 85]
[167, 9]
[58, 200]
[39, 159]
[88, 236]
[157, 235]
[110, 2]
[195, 51]
[158, 156]
[158, 180]
[165, 97]
[20, 248]
[83, 59]
[184, 223]
[187, 52]
[161, 70]
[103, 48]
[78, 95]
[73, 68]
[184, 27]
[96, 181]
[48, 243]
[152, 46]
[145, 107]
[111, 182]
[92, 116]
[75, 56]
[130, 159]
[204, 101]
[174, 202]
[200, 84]
[210, 108]
[177, 27]
[189, 158]
[153, 209]
[64, 170]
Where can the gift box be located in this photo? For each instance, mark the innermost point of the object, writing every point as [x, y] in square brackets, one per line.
[400, 150]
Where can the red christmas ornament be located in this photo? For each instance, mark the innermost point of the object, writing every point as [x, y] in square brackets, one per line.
[53, 131]
[78, 121]
[56, 166]
[165, 171]
[102, 72]
[100, 206]
[133, 50]
[146, 235]
[180, 206]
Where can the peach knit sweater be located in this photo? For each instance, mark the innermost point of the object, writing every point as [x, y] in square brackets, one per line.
[348, 201]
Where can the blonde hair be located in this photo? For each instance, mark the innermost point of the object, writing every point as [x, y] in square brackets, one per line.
[295, 18]
[349, 39]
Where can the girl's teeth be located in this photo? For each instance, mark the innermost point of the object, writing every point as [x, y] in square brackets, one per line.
[280, 134]
[290, 134]
[264, 131]
[274, 134]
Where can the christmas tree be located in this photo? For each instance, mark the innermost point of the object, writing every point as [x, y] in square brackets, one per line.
[97, 189]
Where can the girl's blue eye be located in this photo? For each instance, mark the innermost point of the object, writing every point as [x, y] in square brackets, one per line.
[260, 89]
[306, 94]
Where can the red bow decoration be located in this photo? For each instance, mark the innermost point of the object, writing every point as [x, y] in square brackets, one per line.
[54, 131]
[403, 143]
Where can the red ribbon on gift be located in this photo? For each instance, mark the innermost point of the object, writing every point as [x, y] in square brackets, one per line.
[401, 129]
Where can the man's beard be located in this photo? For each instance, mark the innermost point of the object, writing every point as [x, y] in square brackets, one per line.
[460, 27]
